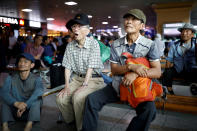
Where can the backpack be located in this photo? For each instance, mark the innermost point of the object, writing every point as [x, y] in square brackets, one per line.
[142, 89]
[104, 51]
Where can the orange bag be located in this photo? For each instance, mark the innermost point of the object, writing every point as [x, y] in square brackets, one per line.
[142, 89]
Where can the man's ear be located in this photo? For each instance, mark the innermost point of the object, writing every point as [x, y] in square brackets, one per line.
[32, 65]
[87, 31]
[142, 26]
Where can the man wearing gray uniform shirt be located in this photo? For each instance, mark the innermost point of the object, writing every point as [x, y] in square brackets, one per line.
[138, 46]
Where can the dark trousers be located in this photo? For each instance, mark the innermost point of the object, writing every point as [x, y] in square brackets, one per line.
[146, 111]
[37, 64]
[170, 73]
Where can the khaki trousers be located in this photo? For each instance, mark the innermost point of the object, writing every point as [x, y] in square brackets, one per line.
[72, 106]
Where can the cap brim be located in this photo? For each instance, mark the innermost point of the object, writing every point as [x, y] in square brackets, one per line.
[180, 29]
[128, 14]
[20, 56]
[69, 24]
[72, 22]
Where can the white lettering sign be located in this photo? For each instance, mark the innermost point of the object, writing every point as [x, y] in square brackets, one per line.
[8, 20]
[34, 24]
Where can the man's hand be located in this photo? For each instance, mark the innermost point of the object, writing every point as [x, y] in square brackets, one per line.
[20, 105]
[129, 78]
[169, 64]
[139, 69]
[20, 112]
[65, 91]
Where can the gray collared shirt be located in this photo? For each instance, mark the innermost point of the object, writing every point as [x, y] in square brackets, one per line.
[79, 60]
[143, 48]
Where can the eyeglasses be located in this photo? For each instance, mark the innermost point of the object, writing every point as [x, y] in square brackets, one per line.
[77, 26]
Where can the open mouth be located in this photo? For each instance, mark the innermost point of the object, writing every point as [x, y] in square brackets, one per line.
[76, 34]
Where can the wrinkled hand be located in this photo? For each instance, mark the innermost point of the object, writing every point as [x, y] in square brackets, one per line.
[80, 89]
[65, 91]
[139, 69]
[169, 64]
[129, 78]
[20, 112]
[20, 105]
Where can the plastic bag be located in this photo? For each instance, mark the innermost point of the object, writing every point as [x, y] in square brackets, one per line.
[105, 51]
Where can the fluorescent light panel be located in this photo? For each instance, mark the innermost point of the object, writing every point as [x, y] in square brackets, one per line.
[173, 25]
[70, 3]
[26, 10]
[89, 16]
[104, 23]
[50, 19]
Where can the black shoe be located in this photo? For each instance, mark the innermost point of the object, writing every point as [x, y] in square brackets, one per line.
[170, 90]
[60, 118]
[164, 95]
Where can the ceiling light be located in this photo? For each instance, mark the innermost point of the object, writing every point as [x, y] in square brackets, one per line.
[104, 23]
[27, 10]
[50, 19]
[89, 16]
[115, 26]
[109, 17]
[91, 28]
[70, 3]
[173, 25]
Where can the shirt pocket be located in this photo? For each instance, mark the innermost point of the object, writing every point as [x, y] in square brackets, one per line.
[141, 52]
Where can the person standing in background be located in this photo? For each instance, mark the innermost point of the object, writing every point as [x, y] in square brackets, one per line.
[160, 45]
[12, 43]
[36, 50]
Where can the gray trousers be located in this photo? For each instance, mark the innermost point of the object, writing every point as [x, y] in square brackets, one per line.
[9, 113]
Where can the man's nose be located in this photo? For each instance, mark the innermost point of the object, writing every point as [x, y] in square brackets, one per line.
[184, 32]
[22, 63]
[74, 29]
[129, 21]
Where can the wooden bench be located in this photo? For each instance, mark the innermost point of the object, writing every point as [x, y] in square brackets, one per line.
[54, 90]
[184, 104]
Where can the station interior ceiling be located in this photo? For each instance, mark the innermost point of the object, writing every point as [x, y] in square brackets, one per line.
[98, 9]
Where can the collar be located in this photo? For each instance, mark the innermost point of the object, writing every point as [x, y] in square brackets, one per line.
[137, 41]
[86, 44]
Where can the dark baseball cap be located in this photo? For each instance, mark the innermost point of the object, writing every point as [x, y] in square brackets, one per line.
[69, 24]
[27, 56]
[78, 19]
[136, 13]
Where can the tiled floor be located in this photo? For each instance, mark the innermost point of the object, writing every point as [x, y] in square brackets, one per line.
[111, 118]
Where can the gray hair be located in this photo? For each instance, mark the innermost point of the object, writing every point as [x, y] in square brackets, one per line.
[87, 26]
